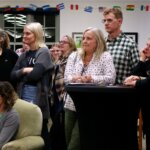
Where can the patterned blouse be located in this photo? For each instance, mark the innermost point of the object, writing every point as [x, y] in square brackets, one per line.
[101, 69]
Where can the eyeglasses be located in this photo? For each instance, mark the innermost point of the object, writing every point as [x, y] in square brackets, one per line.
[52, 50]
[63, 42]
[107, 20]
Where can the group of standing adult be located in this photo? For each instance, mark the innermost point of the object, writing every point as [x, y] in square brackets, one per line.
[101, 61]
[81, 66]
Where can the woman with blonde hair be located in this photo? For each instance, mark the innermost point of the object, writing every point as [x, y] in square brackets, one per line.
[55, 52]
[67, 46]
[91, 64]
[32, 73]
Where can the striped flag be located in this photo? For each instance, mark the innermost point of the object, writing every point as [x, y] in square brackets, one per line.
[32, 7]
[46, 7]
[88, 9]
[146, 8]
[7, 8]
[74, 7]
[118, 7]
[130, 7]
[19, 8]
[60, 6]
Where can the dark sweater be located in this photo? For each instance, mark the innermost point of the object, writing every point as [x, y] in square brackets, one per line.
[7, 61]
[41, 75]
[142, 69]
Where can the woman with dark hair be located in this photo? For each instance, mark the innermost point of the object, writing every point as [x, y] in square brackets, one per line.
[8, 57]
[9, 118]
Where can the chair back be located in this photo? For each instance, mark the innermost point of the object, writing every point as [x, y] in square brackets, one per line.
[30, 119]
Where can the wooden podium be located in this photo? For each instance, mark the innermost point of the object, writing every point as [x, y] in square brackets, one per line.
[107, 116]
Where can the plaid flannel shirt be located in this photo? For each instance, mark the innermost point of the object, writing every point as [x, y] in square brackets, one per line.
[125, 55]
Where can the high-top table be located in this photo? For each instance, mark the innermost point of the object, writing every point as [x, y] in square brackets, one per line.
[107, 116]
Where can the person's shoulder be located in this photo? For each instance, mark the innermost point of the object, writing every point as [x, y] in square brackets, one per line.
[13, 115]
[106, 53]
[11, 53]
[12, 112]
[43, 49]
[74, 53]
[128, 39]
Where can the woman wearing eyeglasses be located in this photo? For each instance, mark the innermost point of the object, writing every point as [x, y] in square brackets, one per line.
[55, 52]
[66, 46]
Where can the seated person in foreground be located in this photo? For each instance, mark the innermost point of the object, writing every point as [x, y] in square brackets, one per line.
[9, 118]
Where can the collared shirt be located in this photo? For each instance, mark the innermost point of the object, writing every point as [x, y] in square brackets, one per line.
[125, 55]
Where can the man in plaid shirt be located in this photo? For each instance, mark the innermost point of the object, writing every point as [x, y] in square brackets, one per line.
[123, 49]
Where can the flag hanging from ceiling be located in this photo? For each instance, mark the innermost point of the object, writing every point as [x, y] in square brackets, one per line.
[130, 7]
[88, 9]
[74, 7]
[101, 9]
[32, 7]
[118, 7]
[60, 6]
[145, 7]
[46, 8]
[19, 8]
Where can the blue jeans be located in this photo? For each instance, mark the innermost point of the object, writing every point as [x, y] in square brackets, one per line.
[29, 93]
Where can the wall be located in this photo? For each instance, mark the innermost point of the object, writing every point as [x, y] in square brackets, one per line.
[79, 20]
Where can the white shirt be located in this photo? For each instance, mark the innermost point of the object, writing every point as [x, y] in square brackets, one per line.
[102, 71]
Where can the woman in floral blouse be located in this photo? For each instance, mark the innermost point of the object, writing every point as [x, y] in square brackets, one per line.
[91, 64]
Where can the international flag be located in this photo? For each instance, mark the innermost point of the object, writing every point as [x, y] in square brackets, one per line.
[101, 9]
[32, 7]
[74, 7]
[118, 7]
[146, 8]
[46, 8]
[19, 8]
[6, 8]
[130, 7]
[88, 9]
[60, 6]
